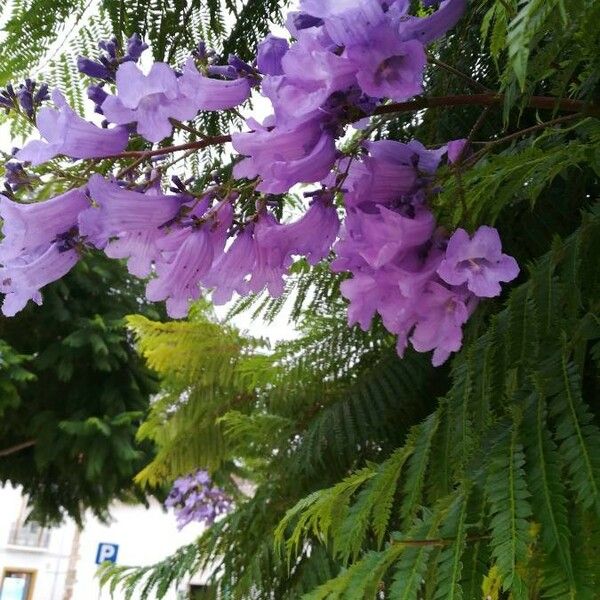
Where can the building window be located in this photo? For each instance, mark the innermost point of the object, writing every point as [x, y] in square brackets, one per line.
[29, 534]
[17, 584]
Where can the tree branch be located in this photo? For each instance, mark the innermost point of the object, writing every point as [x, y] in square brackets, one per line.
[541, 102]
[17, 448]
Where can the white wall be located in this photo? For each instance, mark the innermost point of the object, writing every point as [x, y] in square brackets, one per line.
[144, 536]
[49, 563]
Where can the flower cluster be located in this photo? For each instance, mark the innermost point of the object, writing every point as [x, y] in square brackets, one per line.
[423, 286]
[348, 57]
[196, 498]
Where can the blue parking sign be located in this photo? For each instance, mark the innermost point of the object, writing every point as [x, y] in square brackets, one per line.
[107, 553]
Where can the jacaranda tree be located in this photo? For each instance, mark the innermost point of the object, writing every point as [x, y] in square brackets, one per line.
[424, 197]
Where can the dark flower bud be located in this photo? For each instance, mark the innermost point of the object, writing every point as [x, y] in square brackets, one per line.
[135, 47]
[42, 94]
[226, 71]
[242, 67]
[26, 100]
[306, 21]
[91, 68]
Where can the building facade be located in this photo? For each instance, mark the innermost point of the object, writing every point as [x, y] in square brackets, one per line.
[60, 563]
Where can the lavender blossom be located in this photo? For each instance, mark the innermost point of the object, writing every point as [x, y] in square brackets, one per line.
[67, 133]
[442, 313]
[196, 498]
[22, 278]
[29, 227]
[283, 156]
[187, 256]
[478, 262]
[148, 100]
[207, 93]
[231, 271]
[127, 224]
[392, 68]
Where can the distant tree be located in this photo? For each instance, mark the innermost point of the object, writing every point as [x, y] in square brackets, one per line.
[72, 394]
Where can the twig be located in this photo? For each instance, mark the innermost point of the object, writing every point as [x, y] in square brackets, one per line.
[438, 542]
[466, 78]
[136, 163]
[17, 448]
[492, 143]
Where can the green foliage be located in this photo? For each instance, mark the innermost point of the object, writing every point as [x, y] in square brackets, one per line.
[74, 392]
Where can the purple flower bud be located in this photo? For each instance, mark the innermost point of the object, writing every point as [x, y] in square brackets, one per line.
[42, 94]
[6, 102]
[135, 47]
[97, 95]
[94, 69]
[306, 21]
[26, 100]
[242, 67]
[225, 71]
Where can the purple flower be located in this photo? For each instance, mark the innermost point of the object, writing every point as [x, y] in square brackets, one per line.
[207, 93]
[127, 224]
[148, 100]
[478, 262]
[346, 21]
[232, 269]
[28, 227]
[270, 52]
[311, 73]
[195, 498]
[187, 256]
[442, 312]
[457, 150]
[67, 133]
[390, 68]
[314, 233]
[387, 233]
[284, 156]
[22, 278]
[434, 26]
[120, 211]
[272, 256]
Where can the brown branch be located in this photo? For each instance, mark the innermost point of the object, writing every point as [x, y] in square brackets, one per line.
[541, 102]
[17, 448]
[437, 542]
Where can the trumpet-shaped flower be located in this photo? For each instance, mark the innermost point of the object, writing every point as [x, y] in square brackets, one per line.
[149, 100]
[478, 262]
[207, 93]
[28, 227]
[65, 132]
[22, 279]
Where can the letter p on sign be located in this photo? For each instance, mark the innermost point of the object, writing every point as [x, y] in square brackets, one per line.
[107, 553]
